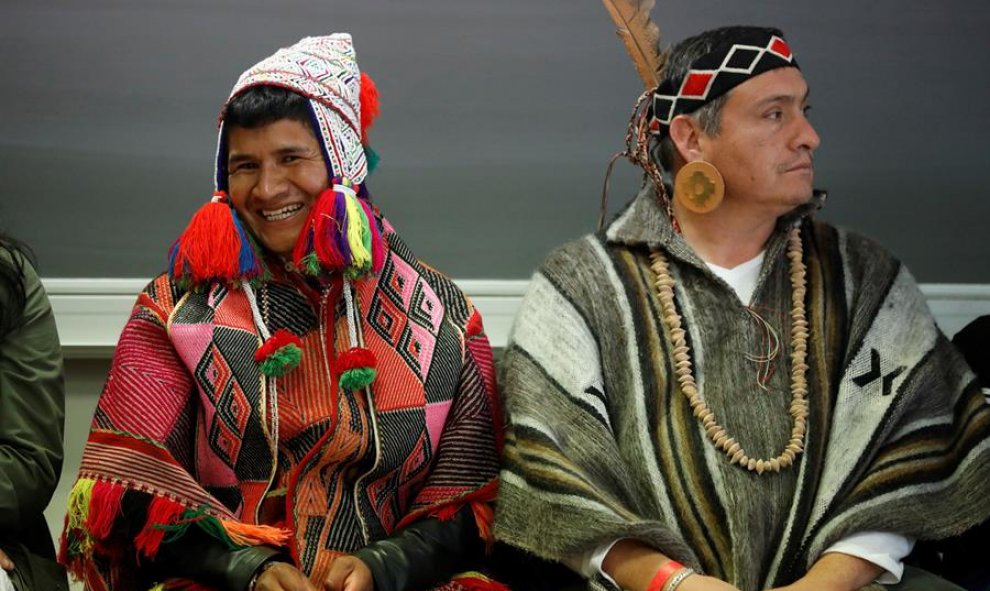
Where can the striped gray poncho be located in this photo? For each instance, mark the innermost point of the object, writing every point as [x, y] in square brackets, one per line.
[602, 445]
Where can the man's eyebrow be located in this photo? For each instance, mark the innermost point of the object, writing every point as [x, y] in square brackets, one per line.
[785, 98]
[237, 157]
[290, 149]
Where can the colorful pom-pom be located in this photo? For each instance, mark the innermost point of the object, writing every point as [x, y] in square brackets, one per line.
[279, 354]
[356, 368]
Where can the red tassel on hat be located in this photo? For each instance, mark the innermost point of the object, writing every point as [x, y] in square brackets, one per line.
[369, 105]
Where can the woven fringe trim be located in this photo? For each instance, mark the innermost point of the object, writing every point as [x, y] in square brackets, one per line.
[94, 506]
[480, 502]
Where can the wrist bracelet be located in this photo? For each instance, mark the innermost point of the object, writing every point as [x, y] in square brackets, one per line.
[663, 574]
[678, 578]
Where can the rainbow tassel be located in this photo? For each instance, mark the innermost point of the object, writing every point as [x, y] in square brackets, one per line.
[279, 354]
[356, 368]
[324, 228]
[340, 217]
[214, 247]
[340, 235]
[358, 237]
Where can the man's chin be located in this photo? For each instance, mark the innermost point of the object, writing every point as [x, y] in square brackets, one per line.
[282, 248]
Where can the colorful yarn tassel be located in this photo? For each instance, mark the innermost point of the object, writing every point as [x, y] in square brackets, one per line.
[104, 507]
[214, 247]
[233, 534]
[356, 368]
[340, 235]
[279, 354]
[76, 538]
[162, 513]
[358, 237]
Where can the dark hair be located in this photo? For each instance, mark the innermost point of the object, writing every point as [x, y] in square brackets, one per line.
[12, 283]
[679, 60]
[258, 106]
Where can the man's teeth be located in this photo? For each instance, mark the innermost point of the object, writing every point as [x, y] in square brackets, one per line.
[281, 213]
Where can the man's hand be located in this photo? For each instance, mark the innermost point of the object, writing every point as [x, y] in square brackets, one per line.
[348, 573]
[703, 583]
[283, 577]
[836, 572]
[5, 562]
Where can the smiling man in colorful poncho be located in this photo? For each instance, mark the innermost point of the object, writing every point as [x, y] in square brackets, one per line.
[718, 392]
[298, 403]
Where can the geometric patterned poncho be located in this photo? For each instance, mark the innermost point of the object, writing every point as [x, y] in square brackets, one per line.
[186, 421]
[601, 444]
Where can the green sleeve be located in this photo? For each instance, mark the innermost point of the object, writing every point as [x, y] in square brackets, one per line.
[32, 410]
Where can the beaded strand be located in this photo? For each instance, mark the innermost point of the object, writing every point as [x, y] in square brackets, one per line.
[799, 350]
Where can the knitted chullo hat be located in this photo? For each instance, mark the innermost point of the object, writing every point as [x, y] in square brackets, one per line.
[341, 233]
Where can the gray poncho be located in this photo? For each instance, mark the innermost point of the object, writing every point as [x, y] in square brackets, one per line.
[602, 445]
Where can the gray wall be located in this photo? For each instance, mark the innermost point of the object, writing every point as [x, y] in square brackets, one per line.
[497, 120]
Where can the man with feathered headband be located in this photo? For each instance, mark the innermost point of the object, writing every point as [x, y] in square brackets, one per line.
[298, 403]
[719, 392]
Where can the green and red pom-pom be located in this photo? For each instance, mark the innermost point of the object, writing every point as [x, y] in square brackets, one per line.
[280, 354]
[356, 368]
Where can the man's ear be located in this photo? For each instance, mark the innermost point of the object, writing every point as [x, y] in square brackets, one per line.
[685, 132]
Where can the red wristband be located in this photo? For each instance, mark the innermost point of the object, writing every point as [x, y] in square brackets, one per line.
[663, 574]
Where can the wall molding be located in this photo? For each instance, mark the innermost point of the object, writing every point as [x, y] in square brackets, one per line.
[90, 313]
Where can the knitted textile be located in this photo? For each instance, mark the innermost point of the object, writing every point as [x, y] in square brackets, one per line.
[187, 419]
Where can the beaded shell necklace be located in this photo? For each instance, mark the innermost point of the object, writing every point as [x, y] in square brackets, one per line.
[799, 350]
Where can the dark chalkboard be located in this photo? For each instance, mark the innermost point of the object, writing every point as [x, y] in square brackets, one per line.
[497, 120]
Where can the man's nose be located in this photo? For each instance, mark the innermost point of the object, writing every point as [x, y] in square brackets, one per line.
[271, 182]
[807, 137]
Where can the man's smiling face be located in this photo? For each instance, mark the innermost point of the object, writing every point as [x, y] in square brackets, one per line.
[275, 173]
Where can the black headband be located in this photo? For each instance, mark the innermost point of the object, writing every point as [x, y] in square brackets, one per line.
[716, 73]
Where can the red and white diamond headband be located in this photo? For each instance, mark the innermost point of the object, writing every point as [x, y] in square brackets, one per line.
[716, 73]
